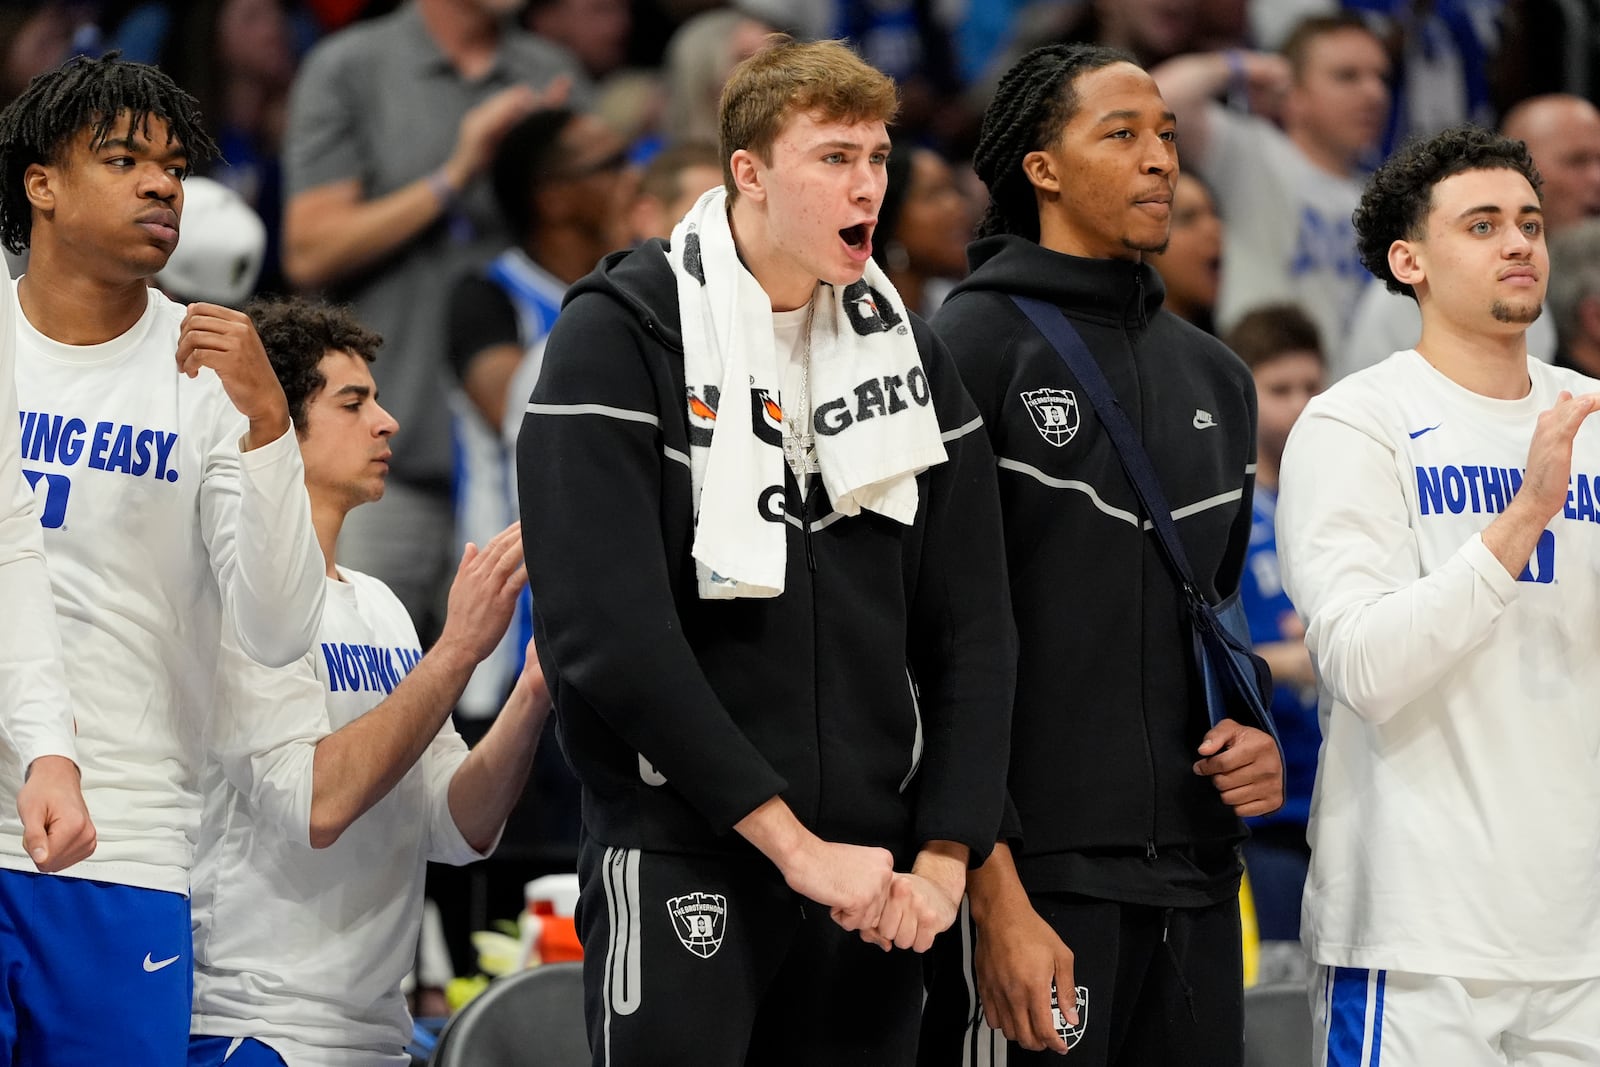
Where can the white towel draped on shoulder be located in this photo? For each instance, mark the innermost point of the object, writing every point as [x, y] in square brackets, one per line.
[872, 406]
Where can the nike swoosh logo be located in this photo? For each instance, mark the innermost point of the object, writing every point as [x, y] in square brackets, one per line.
[152, 966]
[1426, 429]
[1203, 421]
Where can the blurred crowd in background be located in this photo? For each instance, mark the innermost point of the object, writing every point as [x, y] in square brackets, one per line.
[448, 167]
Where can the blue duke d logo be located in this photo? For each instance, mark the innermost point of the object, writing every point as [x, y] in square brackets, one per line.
[52, 497]
[1541, 568]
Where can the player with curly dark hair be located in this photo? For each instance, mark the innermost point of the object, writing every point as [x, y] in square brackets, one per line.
[297, 335]
[174, 507]
[1436, 533]
[1399, 197]
[332, 782]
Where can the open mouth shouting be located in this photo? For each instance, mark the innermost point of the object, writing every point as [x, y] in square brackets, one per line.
[858, 240]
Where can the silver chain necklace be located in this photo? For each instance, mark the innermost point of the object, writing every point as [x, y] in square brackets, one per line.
[799, 443]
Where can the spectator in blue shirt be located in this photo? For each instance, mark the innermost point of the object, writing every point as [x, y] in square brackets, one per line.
[1279, 343]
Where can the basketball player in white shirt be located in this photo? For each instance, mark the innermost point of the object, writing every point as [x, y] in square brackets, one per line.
[171, 495]
[35, 711]
[330, 783]
[1438, 531]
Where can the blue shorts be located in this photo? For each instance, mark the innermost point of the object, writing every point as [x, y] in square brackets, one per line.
[233, 1051]
[92, 973]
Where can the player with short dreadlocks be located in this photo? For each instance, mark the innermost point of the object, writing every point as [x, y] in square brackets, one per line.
[171, 492]
[1128, 797]
[87, 96]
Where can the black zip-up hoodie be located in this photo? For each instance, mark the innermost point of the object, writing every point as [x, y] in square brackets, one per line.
[682, 715]
[1109, 710]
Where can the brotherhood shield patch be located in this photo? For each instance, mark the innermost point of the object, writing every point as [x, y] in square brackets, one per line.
[699, 920]
[1069, 1033]
[1054, 413]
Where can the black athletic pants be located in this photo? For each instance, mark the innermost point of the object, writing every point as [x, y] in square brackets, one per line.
[1161, 987]
[715, 962]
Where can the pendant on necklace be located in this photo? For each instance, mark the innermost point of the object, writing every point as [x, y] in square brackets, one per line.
[799, 449]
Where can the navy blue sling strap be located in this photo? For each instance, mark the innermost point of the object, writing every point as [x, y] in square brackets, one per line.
[1233, 682]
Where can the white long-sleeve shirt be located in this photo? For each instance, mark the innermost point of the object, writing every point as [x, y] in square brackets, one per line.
[1455, 823]
[155, 527]
[35, 711]
[305, 949]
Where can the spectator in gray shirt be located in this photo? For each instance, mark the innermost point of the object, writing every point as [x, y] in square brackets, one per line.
[392, 124]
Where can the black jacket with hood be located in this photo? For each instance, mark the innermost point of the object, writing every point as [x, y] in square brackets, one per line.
[1109, 710]
[681, 715]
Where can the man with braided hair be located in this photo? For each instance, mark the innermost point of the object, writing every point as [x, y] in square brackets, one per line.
[1128, 799]
[171, 492]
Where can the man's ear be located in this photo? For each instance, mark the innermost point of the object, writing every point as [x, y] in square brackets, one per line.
[38, 184]
[748, 175]
[1040, 170]
[1407, 262]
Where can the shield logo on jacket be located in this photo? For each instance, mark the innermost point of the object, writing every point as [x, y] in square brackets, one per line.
[699, 920]
[1054, 413]
[1069, 1033]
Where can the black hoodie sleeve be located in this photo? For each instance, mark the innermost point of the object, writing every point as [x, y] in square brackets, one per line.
[973, 342]
[963, 639]
[590, 482]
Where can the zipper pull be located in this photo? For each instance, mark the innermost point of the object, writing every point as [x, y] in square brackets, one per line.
[1150, 850]
[805, 529]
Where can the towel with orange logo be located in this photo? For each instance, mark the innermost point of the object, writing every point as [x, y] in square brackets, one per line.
[872, 411]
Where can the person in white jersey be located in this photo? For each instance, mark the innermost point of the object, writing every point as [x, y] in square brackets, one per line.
[35, 711]
[1562, 132]
[1437, 531]
[330, 783]
[171, 494]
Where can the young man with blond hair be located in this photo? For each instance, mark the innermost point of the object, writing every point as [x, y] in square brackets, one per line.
[764, 546]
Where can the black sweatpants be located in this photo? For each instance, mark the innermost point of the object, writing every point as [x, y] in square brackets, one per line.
[1159, 987]
[715, 962]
